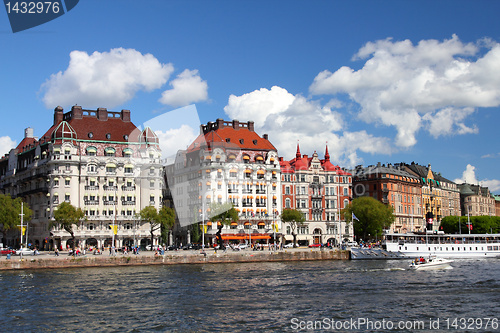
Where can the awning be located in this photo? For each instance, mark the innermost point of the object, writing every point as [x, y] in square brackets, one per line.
[231, 157]
[259, 158]
[260, 172]
[207, 171]
[246, 157]
[111, 165]
[261, 223]
[248, 171]
[208, 157]
[217, 156]
[91, 149]
[234, 223]
[128, 166]
[245, 236]
[233, 170]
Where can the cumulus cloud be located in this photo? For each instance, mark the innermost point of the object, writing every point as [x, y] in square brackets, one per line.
[104, 79]
[6, 144]
[434, 85]
[173, 140]
[187, 88]
[469, 176]
[288, 118]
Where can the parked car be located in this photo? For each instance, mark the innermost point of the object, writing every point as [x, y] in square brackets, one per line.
[289, 245]
[7, 251]
[242, 246]
[172, 248]
[25, 251]
[315, 245]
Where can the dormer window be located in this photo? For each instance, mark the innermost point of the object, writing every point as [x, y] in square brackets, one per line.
[91, 135]
[255, 142]
[228, 140]
[242, 141]
[108, 136]
[109, 151]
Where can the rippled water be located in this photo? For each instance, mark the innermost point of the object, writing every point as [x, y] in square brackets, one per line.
[254, 297]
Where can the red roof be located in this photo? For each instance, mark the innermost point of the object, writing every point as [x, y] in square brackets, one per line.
[304, 162]
[225, 137]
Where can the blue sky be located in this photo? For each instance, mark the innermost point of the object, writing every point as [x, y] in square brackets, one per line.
[388, 81]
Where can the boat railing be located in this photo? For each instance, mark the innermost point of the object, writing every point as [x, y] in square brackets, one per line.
[446, 241]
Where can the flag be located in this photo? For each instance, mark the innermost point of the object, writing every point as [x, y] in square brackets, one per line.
[24, 231]
[114, 228]
[276, 227]
[204, 227]
[354, 217]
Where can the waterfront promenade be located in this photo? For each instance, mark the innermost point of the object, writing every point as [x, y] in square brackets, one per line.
[47, 260]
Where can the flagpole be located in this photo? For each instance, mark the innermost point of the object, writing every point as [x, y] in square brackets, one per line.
[22, 231]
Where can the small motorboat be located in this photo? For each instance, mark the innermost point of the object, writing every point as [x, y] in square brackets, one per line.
[430, 263]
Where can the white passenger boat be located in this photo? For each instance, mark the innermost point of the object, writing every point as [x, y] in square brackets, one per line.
[430, 263]
[413, 245]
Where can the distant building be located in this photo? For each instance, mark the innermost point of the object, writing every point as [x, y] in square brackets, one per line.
[476, 200]
[497, 205]
[320, 190]
[96, 160]
[228, 163]
[441, 197]
[396, 187]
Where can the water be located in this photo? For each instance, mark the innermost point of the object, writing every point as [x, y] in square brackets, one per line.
[254, 297]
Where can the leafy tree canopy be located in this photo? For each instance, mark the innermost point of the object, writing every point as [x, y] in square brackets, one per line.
[224, 212]
[10, 210]
[294, 218]
[373, 216]
[68, 215]
[480, 224]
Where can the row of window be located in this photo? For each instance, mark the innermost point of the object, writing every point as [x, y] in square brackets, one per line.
[304, 190]
[286, 177]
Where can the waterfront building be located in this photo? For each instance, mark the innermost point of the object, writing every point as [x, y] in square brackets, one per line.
[98, 161]
[439, 195]
[228, 163]
[320, 190]
[476, 200]
[497, 204]
[396, 187]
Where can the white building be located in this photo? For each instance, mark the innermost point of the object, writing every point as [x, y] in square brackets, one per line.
[96, 160]
[229, 162]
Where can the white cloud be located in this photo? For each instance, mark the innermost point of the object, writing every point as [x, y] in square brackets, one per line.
[288, 118]
[105, 79]
[469, 176]
[6, 144]
[187, 88]
[175, 139]
[432, 85]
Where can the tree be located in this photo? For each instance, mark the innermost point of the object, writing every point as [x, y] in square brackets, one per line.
[9, 212]
[67, 216]
[480, 224]
[224, 213]
[372, 217]
[162, 220]
[294, 218]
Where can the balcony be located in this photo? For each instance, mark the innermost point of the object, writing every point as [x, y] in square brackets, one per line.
[108, 202]
[128, 188]
[110, 188]
[129, 203]
[91, 188]
[91, 202]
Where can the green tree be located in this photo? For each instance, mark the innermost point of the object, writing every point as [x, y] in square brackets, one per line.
[373, 216]
[9, 212]
[66, 216]
[163, 220]
[480, 224]
[224, 213]
[294, 218]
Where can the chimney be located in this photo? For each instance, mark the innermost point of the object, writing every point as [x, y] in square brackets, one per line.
[236, 124]
[102, 114]
[28, 132]
[77, 112]
[220, 123]
[125, 115]
[266, 137]
[250, 126]
[58, 115]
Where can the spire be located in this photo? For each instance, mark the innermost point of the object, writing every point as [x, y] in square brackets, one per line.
[297, 155]
[327, 155]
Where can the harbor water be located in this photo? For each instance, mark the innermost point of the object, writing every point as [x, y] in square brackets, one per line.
[254, 297]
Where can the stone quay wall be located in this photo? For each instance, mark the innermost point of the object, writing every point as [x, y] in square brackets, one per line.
[193, 257]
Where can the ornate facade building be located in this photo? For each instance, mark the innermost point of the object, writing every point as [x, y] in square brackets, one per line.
[96, 160]
[440, 196]
[476, 200]
[395, 187]
[320, 190]
[229, 163]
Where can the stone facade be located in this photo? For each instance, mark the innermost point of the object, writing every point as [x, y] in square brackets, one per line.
[228, 163]
[320, 190]
[395, 187]
[476, 200]
[96, 160]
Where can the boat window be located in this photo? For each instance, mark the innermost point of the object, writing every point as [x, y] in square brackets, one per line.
[495, 248]
[489, 248]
